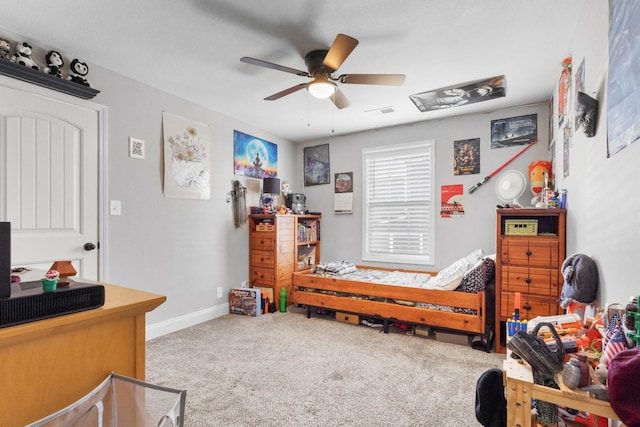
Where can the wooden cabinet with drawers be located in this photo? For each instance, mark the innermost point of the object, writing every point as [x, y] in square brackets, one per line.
[280, 245]
[530, 250]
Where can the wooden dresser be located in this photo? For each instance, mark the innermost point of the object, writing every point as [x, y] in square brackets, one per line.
[280, 245]
[530, 250]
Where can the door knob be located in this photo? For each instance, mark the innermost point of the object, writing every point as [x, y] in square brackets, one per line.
[89, 246]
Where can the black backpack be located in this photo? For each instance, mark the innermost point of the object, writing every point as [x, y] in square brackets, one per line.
[491, 405]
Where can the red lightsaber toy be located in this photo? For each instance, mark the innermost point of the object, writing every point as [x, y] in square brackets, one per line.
[492, 174]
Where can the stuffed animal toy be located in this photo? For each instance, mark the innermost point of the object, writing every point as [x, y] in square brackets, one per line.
[5, 49]
[54, 63]
[22, 56]
[540, 178]
[78, 72]
[601, 373]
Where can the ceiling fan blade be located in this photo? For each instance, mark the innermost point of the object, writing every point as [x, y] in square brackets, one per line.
[266, 64]
[339, 99]
[373, 79]
[342, 47]
[286, 92]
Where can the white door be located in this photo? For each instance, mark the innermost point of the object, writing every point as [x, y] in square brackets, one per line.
[49, 180]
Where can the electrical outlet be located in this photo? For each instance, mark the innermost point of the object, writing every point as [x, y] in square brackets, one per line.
[219, 291]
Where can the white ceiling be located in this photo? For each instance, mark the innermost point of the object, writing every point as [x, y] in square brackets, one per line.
[191, 48]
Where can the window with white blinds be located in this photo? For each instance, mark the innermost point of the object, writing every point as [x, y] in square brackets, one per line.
[398, 203]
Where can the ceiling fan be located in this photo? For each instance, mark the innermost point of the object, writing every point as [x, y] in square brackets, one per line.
[321, 65]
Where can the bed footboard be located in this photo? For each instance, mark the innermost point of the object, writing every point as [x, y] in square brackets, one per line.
[459, 311]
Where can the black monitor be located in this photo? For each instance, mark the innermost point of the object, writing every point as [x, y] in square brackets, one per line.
[5, 260]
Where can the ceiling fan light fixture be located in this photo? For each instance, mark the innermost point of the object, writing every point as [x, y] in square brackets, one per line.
[321, 88]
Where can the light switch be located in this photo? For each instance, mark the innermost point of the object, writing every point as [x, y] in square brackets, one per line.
[115, 207]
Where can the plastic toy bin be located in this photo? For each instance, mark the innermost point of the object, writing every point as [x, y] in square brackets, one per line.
[122, 401]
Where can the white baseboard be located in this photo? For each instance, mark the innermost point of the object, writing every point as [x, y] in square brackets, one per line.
[172, 325]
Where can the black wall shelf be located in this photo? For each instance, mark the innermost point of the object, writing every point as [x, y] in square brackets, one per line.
[40, 78]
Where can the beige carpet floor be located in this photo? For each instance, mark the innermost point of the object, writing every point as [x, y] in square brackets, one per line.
[282, 369]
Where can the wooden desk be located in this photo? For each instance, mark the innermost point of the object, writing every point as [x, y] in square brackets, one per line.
[521, 389]
[49, 364]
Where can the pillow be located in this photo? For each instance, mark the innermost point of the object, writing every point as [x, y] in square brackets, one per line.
[449, 278]
[476, 280]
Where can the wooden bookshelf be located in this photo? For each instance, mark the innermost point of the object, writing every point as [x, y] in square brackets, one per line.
[280, 245]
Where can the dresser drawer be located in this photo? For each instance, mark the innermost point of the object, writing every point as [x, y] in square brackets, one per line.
[263, 240]
[530, 252]
[539, 306]
[540, 281]
[264, 276]
[263, 258]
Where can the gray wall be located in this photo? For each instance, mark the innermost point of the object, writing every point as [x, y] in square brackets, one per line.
[455, 237]
[603, 198]
[603, 193]
[183, 249]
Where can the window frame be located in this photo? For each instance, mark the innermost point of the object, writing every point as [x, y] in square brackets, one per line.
[427, 257]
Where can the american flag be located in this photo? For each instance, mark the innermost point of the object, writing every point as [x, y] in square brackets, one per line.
[615, 343]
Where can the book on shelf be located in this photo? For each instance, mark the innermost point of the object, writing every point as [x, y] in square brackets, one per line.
[309, 231]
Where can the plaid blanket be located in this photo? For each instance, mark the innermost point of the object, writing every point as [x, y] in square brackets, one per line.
[336, 268]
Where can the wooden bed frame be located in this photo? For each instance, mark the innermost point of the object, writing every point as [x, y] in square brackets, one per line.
[308, 289]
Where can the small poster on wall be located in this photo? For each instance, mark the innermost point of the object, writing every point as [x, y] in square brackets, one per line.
[520, 130]
[623, 79]
[564, 88]
[460, 94]
[254, 157]
[578, 87]
[186, 157]
[466, 157]
[343, 197]
[451, 203]
[316, 165]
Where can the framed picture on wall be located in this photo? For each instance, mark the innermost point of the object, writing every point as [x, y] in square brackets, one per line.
[316, 165]
[254, 157]
[187, 158]
[512, 131]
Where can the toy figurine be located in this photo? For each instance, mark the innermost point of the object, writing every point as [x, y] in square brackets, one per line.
[5, 49]
[286, 189]
[601, 372]
[54, 63]
[22, 56]
[50, 281]
[78, 72]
